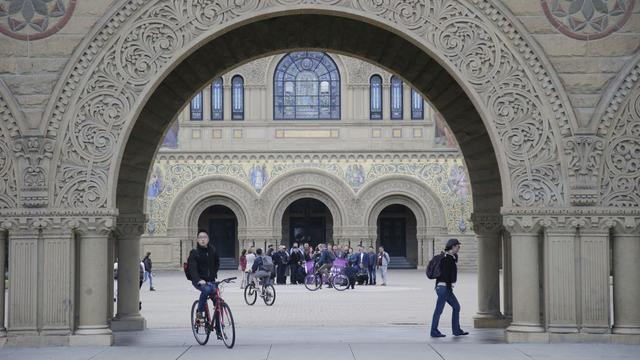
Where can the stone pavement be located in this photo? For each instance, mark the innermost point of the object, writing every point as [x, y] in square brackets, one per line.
[367, 323]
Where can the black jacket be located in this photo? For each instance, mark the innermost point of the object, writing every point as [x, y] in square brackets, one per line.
[204, 264]
[449, 273]
[147, 264]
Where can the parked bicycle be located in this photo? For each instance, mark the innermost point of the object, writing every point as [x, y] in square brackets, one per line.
[221, 322]
[267, 292]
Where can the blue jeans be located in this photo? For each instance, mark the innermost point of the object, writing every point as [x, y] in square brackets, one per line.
[205, 291]
[446, 296]
[372, 274]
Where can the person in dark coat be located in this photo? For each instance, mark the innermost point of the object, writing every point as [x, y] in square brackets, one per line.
[281, 261]
[296, 257]
[444, 290]
[371, 265]
[148, 275]
[204, 263]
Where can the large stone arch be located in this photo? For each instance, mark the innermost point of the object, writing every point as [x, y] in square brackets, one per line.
[429, 208]
[119, 85]
[208, 191]
[307, 183]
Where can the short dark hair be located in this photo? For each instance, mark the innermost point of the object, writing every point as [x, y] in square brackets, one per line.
[202, 231]
[259, 251]
[451, 243]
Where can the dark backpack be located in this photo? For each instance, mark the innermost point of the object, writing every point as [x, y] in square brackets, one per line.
[185, 266]
[434, 269]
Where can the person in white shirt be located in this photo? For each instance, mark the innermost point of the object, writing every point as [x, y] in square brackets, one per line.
[251, 257]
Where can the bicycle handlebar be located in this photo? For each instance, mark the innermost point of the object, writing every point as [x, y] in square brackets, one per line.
[227, 280]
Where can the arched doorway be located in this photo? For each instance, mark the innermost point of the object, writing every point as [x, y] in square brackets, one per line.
[307, 220]
[222, 225]
[397, 232]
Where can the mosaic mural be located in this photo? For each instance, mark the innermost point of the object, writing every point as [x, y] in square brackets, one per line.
[446, 178]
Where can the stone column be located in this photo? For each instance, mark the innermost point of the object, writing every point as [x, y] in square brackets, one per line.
[525, 242]
[93, 246]
[129, 230]
[626, 286]
[595, 306]
[487, 228]
[23, 280]
[56, 279]
[3, 242]
[506, 276]
[560, 278]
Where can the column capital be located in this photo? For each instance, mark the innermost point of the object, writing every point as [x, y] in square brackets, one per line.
[131, 225]
[486, 223]
[584, 154]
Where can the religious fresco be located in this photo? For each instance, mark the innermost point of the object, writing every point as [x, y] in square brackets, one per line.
[447, 178]
[170, 140]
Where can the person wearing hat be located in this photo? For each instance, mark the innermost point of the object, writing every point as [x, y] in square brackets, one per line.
[444, 290]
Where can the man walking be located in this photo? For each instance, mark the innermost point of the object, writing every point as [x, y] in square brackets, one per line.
[371, 265]
[382, 262]
[148, 275]
[281, 260]
[444, 290]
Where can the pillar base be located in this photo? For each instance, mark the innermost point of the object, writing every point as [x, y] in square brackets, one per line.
[625, 339]
[531, 333]
[626, 330]
[490, 321]
[128, 323]
[91, 340]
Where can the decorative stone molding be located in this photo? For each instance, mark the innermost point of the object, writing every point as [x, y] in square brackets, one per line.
[486, 223]
[8, 130]
[584, 156]
[35, 153]
[56, 219]
[506, 73]
[588, 218]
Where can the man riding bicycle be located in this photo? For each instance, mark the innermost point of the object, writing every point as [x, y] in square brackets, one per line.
[204, 263]
[262, 268]
[325, 262]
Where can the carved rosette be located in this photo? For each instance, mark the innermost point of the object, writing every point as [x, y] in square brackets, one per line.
[584, 154]
[473, 37]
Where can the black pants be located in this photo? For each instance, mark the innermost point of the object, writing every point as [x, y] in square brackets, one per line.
[281, 274]
[294, 273]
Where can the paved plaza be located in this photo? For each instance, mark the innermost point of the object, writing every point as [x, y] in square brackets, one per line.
[365, 323]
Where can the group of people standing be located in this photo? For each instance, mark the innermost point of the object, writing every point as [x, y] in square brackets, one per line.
[292, 263]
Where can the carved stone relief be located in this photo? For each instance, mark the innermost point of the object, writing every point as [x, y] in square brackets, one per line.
[473, 37]
[621, 125]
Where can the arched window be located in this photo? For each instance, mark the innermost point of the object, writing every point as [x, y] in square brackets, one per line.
[306, 86]
[196, 107]
[396, 98]
[375, 97]
[217, 100]
[237, 98]
[417, 106]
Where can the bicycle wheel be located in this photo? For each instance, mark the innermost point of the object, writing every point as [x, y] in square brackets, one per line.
[340, 282]
[227, 326]
[312, 282]
[269, 295]
[201, 330]
[250, 294]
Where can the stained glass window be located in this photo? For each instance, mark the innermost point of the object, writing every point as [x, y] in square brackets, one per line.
[375, 97]
[396, 98]
[237, 98]
[306, 86]
[217, 97]
[196, 107]
[417, 106]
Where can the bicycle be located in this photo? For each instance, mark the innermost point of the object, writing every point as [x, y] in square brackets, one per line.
[267, 293]
[221, 315]
[338, 281]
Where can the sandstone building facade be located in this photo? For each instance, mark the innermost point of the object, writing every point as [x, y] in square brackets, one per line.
[543, 98]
